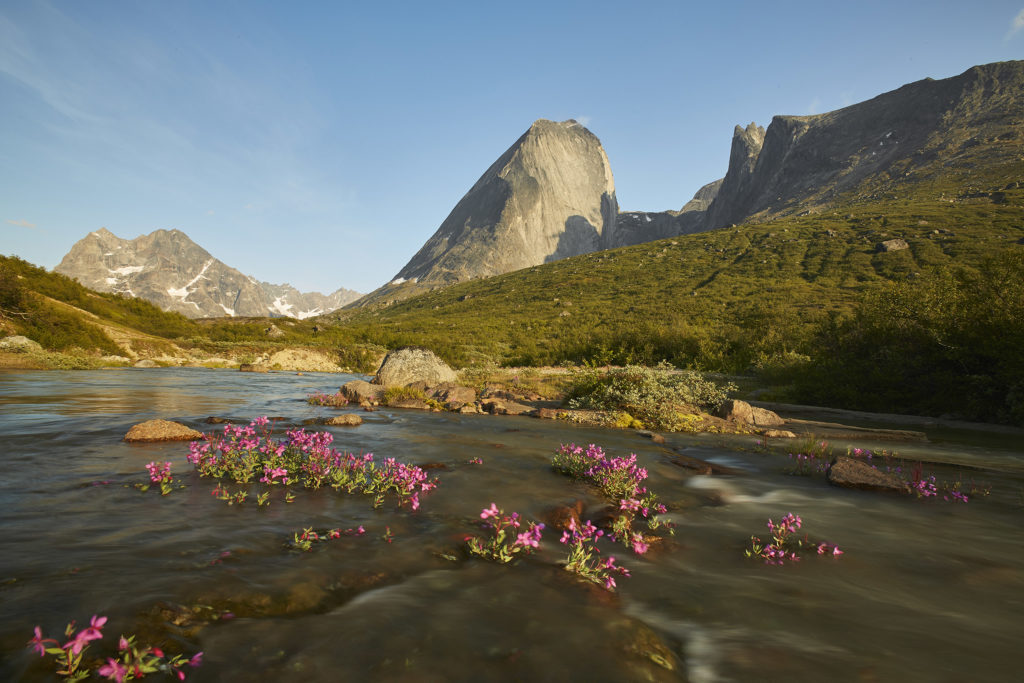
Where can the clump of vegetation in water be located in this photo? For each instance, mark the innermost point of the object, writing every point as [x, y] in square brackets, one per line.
[308, 537]
[241, 454]
[505, 540]
[330, 400]
[583, 552]
[131, 662]
[785, 545]
[159, 475]
[620, 480]
[657, 398]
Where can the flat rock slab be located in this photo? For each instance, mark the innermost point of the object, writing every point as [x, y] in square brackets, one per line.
[499, 406]
[161, 430]
[346, 420]
[851, 473]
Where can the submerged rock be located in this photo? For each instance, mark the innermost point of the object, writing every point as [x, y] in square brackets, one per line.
[161, 430]
[346, 420]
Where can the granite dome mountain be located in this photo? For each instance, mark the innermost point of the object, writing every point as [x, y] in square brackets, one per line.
[551, 195]
[170, 270]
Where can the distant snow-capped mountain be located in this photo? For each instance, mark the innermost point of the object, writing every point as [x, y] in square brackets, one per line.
[175, 273]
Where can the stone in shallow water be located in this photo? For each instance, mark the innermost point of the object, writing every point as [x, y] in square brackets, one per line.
[346, 420]
[161, 430]
[855, 474]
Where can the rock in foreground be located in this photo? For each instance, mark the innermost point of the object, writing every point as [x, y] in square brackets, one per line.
[161, 430]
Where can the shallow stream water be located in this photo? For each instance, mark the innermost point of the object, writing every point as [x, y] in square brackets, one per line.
[927, 590]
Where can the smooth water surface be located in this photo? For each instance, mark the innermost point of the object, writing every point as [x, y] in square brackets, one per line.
[926, 590]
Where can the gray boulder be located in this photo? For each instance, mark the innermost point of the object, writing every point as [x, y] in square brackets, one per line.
[19, 344]
[893, 245]
[413, 364]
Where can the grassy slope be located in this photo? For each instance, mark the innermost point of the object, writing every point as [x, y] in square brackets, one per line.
[694, 298]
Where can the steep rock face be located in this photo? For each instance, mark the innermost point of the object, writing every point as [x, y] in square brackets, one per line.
[175, 273]
[802, 161]
[551, 195]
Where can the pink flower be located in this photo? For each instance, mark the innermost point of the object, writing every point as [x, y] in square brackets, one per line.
[123, 644]
[196, 660]
[91, 632]
[39, 643]
[492, 511]
[113, 670]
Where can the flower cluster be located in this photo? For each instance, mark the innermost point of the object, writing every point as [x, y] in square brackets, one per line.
[620, 480]
[583, 557]
[508, 537]
[132, 661]
[243, 454]
[160, 475]
[785, 545]
[308, 537]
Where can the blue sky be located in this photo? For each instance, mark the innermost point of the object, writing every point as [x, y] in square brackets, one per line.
[321, 143]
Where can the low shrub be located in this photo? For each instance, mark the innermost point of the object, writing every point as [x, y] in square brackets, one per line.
[653, 396]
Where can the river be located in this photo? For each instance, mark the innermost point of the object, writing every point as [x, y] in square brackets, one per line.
[926, 590]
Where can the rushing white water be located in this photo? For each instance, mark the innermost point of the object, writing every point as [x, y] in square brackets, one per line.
[926, 590]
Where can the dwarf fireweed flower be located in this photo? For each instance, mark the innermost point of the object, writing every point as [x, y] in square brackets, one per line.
[504, 543]
[620, 480]
[786, 545]
[132, 661]
[583, 557]
[244, 454]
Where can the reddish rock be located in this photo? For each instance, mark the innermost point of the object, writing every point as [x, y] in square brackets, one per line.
[559, 516]
[161, 430]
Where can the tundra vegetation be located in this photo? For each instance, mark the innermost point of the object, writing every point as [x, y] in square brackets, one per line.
[806, 304]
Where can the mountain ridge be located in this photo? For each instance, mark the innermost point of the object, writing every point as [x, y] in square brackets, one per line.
[169, 269]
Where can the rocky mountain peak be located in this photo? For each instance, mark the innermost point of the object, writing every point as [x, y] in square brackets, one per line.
[549, 196]
[169, 269]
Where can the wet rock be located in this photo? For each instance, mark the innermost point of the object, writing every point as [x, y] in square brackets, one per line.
[161, 430]
[19, 344]
[360, 391]
[855, 474]
[213, 420]
[779, 434]
[432, 466]
[559, 516]
[252, 367]
[500, 406]
[656, 438]
[413, 364]
[346, 420]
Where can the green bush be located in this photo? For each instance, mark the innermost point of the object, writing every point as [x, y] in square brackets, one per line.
[947, 342]
[654, 396]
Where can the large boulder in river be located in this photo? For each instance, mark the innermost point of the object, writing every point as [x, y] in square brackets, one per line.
[742, 412]
[851, 473]
[413, 364]
[161, 430]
